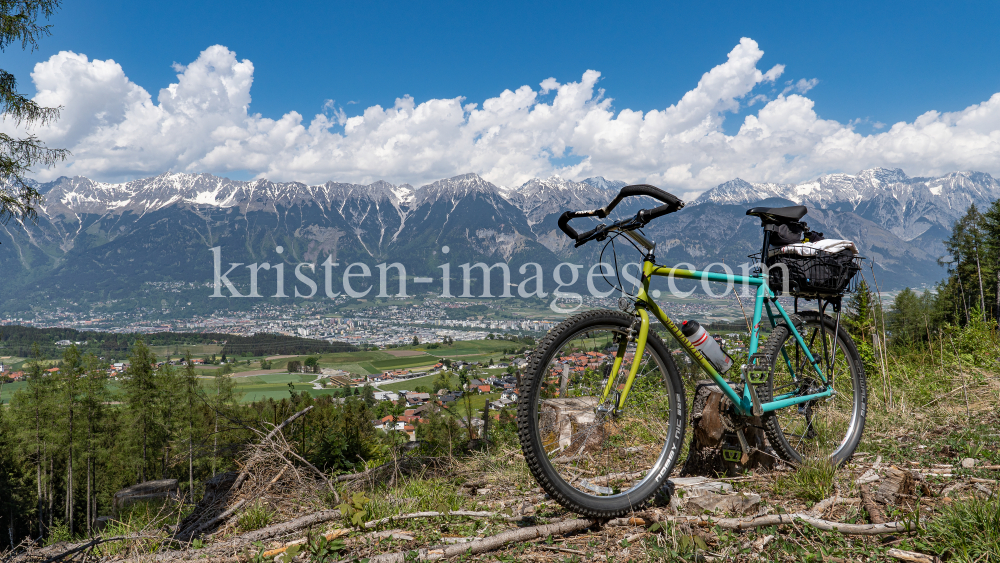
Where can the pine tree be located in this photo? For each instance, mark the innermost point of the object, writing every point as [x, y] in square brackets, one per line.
[68, 379]
[18, 198]
[93, 399]
[141, 399]
[991, 253]
[965, 264]
[225, 396]
[30, 407]
[191, 397]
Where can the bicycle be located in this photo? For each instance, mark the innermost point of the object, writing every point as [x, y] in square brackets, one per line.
[601, 415]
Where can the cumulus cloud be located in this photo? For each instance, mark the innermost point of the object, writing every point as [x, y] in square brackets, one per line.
[202, 123]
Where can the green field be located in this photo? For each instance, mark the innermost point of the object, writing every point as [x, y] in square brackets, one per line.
[411, 384]
[8, 390]
[361, 363]
[406, 362]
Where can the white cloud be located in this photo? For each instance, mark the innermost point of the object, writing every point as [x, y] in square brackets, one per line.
[802, 86]
[201, 123]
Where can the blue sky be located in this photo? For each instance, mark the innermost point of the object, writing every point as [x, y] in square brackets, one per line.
[873, 62]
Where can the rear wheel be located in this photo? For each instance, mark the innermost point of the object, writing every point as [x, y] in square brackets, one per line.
[828, 428]
[591, 458]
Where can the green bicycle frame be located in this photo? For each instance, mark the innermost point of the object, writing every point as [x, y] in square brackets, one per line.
[764, 299]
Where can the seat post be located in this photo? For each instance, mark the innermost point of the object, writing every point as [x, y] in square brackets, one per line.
[768, 229]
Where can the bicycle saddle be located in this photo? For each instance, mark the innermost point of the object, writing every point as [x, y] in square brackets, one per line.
[779, 214]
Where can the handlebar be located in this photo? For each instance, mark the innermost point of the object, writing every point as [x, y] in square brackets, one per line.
[671, 203]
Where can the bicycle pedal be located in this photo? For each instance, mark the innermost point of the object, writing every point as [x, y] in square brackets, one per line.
[758, 370]
[730, 455]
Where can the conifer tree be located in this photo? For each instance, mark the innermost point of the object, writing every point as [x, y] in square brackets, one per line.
[19, 24]
[30, 407]
[67, 380]
[93, 399]
[141, 399]
[191, 398]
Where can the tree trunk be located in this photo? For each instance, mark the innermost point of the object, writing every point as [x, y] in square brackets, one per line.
[142, 470]
[190, 463]
[69, 470]
[90, 517]
[961, 287]
[52, 496]
[711, 435]
[979, 273]
[38, 479]
[215, 443]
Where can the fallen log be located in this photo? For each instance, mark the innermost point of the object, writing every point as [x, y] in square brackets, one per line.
[412, 515]
[775, 520]
[488, 544]
[874, 512]
[822, 506]
[912, 556]
[290, 526]
[94, 543]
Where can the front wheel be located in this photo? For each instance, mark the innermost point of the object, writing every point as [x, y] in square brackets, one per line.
[829, 428]
[592, 458]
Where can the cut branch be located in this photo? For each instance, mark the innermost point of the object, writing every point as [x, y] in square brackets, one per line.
[489, 544]
[777, 520]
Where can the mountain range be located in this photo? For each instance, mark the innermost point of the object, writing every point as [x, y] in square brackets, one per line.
[98, 242]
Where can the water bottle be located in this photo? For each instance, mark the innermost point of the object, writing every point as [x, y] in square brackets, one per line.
[707, 345]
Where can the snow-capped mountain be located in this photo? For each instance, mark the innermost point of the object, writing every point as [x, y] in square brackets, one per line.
[907, 207]
[604, 184]
[106, 240]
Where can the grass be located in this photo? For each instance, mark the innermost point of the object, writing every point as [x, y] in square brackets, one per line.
[812, 481]
[255, 517]
[967, 530]
[411, 384]
[405, 362]
[140, 518]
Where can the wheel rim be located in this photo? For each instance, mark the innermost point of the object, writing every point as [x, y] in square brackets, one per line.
[819, 429]
[590, 447]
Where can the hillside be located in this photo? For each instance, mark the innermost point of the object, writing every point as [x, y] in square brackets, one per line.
[145, 244]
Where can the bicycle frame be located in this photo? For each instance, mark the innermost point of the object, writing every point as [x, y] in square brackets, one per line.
[764, 300]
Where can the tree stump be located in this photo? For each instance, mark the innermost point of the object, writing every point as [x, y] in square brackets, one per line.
[713, 431]
[571, 425]
[163, 489]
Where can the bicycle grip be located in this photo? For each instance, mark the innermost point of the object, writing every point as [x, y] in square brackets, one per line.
[565, 218]
[671, 202]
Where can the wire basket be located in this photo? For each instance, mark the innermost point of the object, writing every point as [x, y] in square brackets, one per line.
[824, 274]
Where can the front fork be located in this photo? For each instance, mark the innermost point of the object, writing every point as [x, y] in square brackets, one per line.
[640, 347]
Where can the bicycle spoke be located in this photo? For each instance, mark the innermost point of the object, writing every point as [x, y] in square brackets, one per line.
[821, 427]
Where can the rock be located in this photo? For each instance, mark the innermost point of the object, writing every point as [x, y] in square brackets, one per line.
[968, 463]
